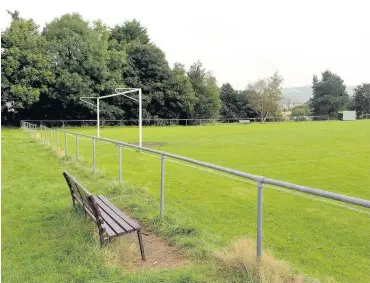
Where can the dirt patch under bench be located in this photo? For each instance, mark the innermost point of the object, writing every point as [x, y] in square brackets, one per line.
[124, 251]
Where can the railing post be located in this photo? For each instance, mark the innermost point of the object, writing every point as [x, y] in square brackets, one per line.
[162, 185]
[65, 144]
[120, 164]
[93, 153]
[259, 219]
[57, 139]
[76, 147]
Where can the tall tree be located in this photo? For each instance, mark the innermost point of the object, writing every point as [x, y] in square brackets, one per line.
[25, 66]
[229, 102]
[182, 96]
[244, 108]
[265, 95]
[83, 66]
[206, 90]
[362, 99]
[148, 69]
[130, 31]
[329, 95]
[235, 104]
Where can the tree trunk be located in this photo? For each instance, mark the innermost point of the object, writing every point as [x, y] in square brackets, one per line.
[263, 117]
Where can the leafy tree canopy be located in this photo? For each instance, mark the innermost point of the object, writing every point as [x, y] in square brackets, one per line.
[265, 95]
[362, 99]
[329, 94]
[25, 66]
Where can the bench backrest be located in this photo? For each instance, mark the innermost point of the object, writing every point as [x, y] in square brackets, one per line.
[81, 195]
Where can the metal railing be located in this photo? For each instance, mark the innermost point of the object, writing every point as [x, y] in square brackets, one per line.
[260, 180]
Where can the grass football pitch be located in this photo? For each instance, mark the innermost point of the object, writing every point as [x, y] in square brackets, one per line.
[318, 237]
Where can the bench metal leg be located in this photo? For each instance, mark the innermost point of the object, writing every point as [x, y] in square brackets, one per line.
[103, 238]
[141, 245]
[101, 241]
[73, 202]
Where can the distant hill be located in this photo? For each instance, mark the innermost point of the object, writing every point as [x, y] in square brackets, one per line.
[302, 94]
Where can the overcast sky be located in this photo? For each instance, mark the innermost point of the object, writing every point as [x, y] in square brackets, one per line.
[240, 41]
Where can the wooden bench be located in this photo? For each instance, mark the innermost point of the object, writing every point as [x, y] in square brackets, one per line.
[110, 220]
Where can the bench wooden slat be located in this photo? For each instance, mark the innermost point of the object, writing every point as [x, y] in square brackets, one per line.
[75, 189]
[81, 187]
[109, 231]
[112, 224]
[127, 219]
[109, 210]
[91, 214]
[87, 208]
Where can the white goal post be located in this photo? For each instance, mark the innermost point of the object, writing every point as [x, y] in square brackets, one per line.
[123, 92]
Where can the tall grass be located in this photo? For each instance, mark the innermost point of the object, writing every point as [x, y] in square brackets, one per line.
[241, 258]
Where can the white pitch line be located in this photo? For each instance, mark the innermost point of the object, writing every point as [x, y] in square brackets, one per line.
[281, 163]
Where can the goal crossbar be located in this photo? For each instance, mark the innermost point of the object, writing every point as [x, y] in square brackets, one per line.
[122, 92]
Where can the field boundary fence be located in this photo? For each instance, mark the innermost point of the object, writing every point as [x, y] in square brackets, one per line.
[365, 116]
[46, 134]
[169, 122]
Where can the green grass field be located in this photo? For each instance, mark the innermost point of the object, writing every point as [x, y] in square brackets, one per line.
[45, 240]
[319, 238]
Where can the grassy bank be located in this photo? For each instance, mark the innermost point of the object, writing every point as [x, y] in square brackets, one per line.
[45, 240]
